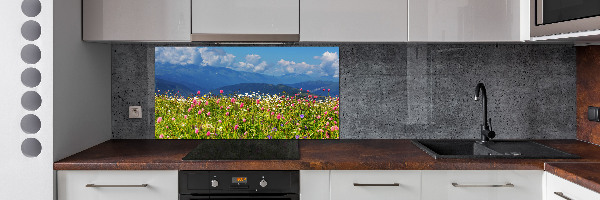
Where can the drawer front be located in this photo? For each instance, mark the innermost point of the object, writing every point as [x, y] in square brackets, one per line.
[377, 185]
[482, 184]
[161, 185]
[566, 189]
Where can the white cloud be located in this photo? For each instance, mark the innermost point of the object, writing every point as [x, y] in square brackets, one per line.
[294, 67]
[330, 63]
[252, 58]
[176, 55]
[245, 66]
[215, 57]
[191, 55]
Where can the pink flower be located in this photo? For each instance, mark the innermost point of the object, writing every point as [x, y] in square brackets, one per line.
[167, 127]
[207, 133]
[292, 105]
[272, 113]
[309, 96]
[232, 100]
[300, 89]
[196, 131]
[328, 90]
[206, 104]
[235, 127]
[198, 93]
[327, 124]
[189, 109]
[221, 107]
[220, 121]
[279, 116]
[335, 128]
[323, 90]
[318, 116]
[194, 102]
[307, 91]
[325, 112]
[262, 108]
[257, 101]
[218, 100]
[173, 118]
[334, 108]
[161, 136]
[242, 105]
[315, 96]
[221, 91]
[159, 120]
[200, 112]
[185, 116]
[244, 120]
[208, 114]
[227, 114]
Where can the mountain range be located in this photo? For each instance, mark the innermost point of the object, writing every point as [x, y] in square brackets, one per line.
[190, 78]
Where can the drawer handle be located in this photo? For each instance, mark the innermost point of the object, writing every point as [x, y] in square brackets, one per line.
[94, 185]
[377, 185]
[505, 185]
[560, 194]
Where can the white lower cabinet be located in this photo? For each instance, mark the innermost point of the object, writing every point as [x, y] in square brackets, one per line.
[314, 184]
[375, 185]
[561, 189]
[117, 185]
[482, 184]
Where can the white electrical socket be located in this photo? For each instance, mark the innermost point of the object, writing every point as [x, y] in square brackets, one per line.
[135, 111]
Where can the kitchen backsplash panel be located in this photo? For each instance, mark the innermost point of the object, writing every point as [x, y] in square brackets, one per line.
[399, 90]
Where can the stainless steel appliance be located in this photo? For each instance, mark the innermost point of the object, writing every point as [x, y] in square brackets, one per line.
[554, 17]
[235, 185]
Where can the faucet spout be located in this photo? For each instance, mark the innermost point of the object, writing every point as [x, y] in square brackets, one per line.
[486, 132]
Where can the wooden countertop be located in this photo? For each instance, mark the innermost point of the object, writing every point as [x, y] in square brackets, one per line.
[581, 173]
[314, 155]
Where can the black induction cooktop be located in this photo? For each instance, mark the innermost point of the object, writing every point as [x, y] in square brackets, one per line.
[245, 150]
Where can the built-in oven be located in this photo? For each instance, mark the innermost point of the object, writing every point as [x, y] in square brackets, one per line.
[553, 17]
[235, 185]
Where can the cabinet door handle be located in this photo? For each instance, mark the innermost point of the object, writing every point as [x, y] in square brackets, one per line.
[94, 185]
[560, 194]
[384, 184]
[505, 185]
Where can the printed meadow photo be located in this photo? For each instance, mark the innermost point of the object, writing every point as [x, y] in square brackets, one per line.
[247, 93]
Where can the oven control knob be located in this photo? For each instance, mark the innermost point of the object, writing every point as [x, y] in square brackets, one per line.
[263, 183]
[214, 183]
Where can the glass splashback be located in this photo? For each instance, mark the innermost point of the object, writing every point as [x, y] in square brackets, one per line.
[247, 92]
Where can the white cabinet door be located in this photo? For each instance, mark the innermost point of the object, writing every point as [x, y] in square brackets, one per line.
[136, 20]
[113, 185]
[375, 185]
[354, 20]
[314, 184]
[245, 16]
[468, 20]
[561, 189]
[482, 184]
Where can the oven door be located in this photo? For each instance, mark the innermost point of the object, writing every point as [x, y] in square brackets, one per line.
[237, 197]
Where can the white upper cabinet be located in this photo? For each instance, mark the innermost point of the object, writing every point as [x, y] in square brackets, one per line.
[136, 20]
[468, 20]
[245, 20]
[354, 20]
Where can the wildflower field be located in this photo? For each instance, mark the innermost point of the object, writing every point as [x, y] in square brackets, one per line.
[247, 116]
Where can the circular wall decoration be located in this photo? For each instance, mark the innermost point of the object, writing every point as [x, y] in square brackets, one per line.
[31, 77]
[31, 100]
[31, 8]
[31, 147]
[31, 54]
[31, 30]
[31, 124]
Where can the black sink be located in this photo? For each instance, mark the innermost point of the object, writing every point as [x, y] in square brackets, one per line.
[492, 149]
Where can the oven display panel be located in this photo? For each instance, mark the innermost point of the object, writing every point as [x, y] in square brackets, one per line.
[239, 180]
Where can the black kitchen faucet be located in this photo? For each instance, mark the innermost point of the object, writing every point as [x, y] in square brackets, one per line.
[486, 129]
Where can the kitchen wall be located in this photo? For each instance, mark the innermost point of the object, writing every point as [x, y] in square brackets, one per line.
[399, 90]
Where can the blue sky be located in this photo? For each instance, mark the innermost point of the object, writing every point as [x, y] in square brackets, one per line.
[277, 61]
